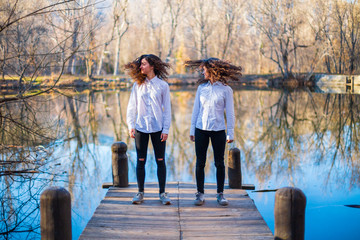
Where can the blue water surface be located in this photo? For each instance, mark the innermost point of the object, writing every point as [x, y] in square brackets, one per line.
[299, 139]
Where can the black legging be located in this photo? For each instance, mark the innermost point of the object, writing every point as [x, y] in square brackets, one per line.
[218, 141]
[141, 143]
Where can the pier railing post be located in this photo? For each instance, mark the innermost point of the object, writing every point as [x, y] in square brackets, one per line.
[289, 214]
[55, 211]
[119, 164]
[234, 169]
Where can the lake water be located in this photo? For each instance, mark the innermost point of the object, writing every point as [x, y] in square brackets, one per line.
[298, 138]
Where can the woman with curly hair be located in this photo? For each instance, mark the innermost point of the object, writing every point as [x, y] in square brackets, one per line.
[213, 97]
[149, 115]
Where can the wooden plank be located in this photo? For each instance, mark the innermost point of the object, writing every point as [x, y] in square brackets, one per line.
[107, 185]
[117, 218]
[248, 186]
[240, 219]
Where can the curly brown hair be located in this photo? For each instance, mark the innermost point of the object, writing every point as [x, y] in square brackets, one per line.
[218, 70]
[160, 68]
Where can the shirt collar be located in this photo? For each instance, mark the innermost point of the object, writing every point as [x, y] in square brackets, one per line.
[153, 79]
[215, 83]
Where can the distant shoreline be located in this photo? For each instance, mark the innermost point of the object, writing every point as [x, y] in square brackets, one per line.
[110, 81]
[124, 81]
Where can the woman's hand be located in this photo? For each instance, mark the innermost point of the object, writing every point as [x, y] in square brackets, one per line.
[192, 138]
[163, 137]
[132, 133]
[229, 141]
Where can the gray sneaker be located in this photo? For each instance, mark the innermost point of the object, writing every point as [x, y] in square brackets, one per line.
[221, 199]
[165, 199]
[199, 199]
[139, 198]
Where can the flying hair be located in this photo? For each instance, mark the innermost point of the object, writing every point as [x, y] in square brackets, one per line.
[218, 70]
[160, 68]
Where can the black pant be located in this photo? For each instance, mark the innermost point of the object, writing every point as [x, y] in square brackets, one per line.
[218, 141]
[141, 143]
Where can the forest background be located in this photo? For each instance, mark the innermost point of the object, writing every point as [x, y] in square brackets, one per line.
[97, 37]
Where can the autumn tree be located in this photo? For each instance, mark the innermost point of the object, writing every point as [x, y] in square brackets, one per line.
[280, 21]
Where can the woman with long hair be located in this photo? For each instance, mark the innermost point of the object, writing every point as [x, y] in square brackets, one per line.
[149, 115]
[213, 97]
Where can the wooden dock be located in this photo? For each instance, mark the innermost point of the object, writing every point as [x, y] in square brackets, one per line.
[117, 218]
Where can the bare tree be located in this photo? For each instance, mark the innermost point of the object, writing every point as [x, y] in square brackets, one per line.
[121, 24]
[34, 41]
[320, 22]
[231, 13]
[93, 22]
[336, 26]
[340, 15]
[280, 23]
[202, 24]
[175, 7]
[287, 36]
[104, 51]
[351, 36]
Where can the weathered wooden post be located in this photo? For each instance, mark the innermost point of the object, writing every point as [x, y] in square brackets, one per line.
[55, 211]
[289, 214]
[119, 164]
[234, 168]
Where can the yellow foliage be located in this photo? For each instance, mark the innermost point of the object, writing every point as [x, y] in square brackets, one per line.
[180, 57]
[182, 100]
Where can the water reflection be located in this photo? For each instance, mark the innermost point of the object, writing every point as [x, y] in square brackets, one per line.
[298, 138]
[26, 144]
[285, 129]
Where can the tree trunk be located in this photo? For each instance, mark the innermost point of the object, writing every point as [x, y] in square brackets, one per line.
[101, 59]
[117, 56]
[71, 65]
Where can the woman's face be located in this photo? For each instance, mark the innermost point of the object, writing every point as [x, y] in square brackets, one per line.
[145, 67]
[205, 73]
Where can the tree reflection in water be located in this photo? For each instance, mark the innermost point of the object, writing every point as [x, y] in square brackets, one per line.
[25, 147]
[65, 141]
[279, 131]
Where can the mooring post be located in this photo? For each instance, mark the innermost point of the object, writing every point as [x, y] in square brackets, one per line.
[119, 164]
[55, 211]
[289, 214]
[234, 168]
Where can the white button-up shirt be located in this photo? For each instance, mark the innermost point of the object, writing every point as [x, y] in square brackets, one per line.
[149, 107]
[210, 103]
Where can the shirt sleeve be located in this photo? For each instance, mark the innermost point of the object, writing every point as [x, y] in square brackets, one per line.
[230, 116]
[167, 110]
[195, 112]
[132, 108]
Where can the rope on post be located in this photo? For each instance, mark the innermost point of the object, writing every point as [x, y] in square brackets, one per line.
[289, 213]
[119, 164]
[55, 211]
